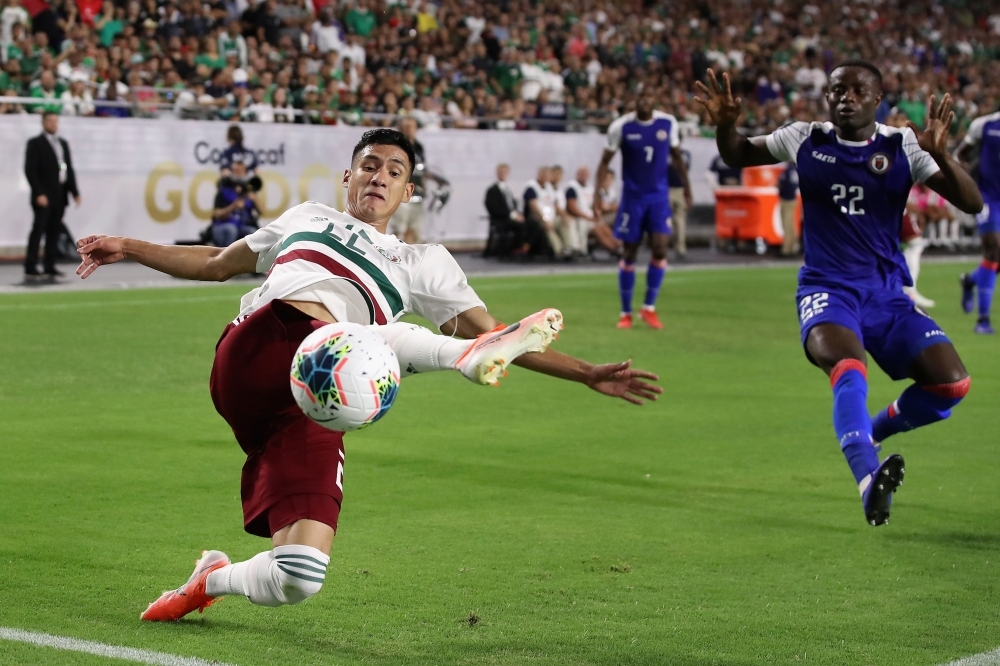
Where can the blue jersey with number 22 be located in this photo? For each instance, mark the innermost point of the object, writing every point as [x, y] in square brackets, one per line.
[853, 198]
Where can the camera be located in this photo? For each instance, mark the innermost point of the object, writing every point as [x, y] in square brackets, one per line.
[241, 185]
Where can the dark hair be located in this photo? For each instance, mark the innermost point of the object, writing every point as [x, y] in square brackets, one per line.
[49, 112]
[235, 134]
[385, 136]
[863, 64]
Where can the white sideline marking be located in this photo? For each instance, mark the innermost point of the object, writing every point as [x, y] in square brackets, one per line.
[103, 649]
[991, 658]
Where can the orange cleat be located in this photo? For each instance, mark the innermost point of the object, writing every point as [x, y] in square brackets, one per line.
[175, 604]
[625, 321]
[487, 358]
[649, 316]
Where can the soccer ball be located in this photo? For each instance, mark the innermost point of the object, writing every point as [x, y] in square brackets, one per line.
[344, 376]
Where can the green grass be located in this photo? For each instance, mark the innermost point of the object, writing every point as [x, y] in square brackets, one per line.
[717, 526]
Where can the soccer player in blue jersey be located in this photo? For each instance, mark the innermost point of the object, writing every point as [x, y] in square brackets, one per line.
[982, 145]
[854, 176]
[649, 140]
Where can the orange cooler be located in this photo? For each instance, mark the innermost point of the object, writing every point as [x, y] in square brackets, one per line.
[749, 213]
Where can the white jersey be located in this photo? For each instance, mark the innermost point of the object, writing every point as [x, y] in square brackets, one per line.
[584, 195]
[315, 253]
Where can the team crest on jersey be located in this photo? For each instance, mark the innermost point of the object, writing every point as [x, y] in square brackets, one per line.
[661, 135]
[879, 163]
[394, 258]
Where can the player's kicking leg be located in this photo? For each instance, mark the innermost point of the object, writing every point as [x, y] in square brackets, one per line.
[983, 278]
[839, 352]
[483, 360]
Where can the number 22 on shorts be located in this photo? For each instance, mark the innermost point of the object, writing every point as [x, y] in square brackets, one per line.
[812, 305]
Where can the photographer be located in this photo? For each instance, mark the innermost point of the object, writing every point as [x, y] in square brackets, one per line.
[236, 209]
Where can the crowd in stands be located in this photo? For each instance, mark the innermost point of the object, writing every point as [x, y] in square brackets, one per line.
[506, 64]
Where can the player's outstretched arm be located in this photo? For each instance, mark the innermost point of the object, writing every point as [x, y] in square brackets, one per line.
[188, 262]
[952, 182]
[617, 380]
[735, 149]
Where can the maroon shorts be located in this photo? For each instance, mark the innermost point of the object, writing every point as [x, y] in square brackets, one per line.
[294, 467]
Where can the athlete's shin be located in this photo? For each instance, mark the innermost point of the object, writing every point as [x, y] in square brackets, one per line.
[654, 278]
[985, 278]
[626, 284]
[279, 577]
[849, 380]
[919, 406]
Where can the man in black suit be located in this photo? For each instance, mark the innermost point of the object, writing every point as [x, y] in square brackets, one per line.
[49, 169]
[505, 220]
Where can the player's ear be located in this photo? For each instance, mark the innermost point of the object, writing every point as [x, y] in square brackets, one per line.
[347, 177]
[407, 192]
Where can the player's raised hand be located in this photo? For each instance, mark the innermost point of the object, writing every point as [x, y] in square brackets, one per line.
[619, 380]
[718, 100]
[934, 137]
[98, 251]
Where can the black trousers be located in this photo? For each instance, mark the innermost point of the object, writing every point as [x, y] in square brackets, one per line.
[48, 221]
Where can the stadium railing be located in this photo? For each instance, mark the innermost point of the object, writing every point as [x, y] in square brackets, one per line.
[166, 109]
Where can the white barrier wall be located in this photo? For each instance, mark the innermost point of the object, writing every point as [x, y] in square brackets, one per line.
[155, 179]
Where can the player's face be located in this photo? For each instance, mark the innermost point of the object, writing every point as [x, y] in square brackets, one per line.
[377, 183]
[644, 106]
[853, 94]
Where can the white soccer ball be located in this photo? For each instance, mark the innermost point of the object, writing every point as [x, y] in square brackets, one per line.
[344, 376]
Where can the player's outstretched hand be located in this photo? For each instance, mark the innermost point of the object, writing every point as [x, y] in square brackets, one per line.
[718, 100]
[98, 251]
[934, 137]
[619, 381]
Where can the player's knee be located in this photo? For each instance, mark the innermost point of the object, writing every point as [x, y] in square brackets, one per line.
[300, 575]
[950, 393]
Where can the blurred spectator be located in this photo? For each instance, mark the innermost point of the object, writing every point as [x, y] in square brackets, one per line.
[609, 197]
[236, 208]
[579, 196]
[788, 193]
[115, 109]
[77, 101]
[407, 222]
[237, 152]
[679, 204]
[11, 15]
[46, 89]
[506, 234]
[538, 216]
[721, 174]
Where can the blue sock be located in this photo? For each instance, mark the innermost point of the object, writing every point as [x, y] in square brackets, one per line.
[626, 284]
[918, 406]
[851, 422]
[654, 278]
[986, 279]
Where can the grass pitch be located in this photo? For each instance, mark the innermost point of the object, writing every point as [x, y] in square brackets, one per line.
[537, 523]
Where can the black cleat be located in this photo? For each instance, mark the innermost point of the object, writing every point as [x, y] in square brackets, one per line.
[877, 497]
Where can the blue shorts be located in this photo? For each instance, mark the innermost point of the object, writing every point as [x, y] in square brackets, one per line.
[892, 329]
[989, 218]
[640, 215]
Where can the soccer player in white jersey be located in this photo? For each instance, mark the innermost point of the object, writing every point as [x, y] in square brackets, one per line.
[325, 266]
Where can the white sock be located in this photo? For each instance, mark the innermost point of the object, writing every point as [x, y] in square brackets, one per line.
[420, 350]
[285, 575]
[912, 252]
